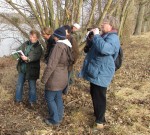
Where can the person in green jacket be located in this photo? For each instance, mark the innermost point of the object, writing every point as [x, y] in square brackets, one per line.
[29, 67]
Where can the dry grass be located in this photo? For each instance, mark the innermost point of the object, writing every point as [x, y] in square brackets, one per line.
[4, 95]
[139, 93]
[128, 109]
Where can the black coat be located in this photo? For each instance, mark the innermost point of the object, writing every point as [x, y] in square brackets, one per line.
[50, 45]
[33, 66]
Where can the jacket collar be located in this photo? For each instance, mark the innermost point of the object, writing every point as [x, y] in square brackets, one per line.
[65, 41]
[110, 32]
[34, 45]
[50, 38]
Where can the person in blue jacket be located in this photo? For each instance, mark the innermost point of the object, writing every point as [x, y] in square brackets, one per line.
[99, 67]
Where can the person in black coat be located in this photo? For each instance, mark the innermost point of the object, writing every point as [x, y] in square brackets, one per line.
[50, 42]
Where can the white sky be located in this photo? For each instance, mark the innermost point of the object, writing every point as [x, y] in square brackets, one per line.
[5, 8]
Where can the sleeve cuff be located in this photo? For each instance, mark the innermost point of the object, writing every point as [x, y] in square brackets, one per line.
[28, 59]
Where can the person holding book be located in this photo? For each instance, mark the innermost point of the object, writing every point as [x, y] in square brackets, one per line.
[29, 67]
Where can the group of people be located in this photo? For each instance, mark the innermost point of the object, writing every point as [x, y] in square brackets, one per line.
[61, 54]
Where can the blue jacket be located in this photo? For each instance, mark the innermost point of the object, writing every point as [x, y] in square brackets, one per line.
[99, 67]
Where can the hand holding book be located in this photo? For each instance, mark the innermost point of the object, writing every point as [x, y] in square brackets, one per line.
[17, 54]
[24, 58]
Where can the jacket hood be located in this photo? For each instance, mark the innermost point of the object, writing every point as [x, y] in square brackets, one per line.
[114, 31]
[65, 41]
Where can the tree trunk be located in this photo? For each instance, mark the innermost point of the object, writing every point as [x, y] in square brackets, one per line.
[92, 13]
[47, 22]
[51, 13]
[107, 6]
[123, 16]
[66, 13]
[79, 10]
[140, 18]
[115, 7]
[35, 13]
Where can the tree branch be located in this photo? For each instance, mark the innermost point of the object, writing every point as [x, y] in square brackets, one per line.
[47, 22]
[123, 16]
[40, 10]
[92, 13]
[23, 15]
[35, 13]
[15, 24]
[51, 12]
[107, 6]
[114, 7]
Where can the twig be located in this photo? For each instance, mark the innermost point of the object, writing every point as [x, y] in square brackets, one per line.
[72, 102]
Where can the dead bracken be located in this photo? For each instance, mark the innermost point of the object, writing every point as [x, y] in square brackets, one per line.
[128, 99]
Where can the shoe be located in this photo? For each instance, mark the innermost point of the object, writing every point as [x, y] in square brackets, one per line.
[18, 103]
[49, 123]
[98, 126]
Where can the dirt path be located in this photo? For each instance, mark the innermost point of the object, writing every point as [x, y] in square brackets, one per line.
[128, 108]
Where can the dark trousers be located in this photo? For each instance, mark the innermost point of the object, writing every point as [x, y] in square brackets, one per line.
[98, 95]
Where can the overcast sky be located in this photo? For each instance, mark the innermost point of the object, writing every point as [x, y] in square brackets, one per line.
[5, 8]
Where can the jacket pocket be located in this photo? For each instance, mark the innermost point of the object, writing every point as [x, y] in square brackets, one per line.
[93, 69]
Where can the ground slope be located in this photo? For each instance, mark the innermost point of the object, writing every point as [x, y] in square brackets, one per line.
[128, 107]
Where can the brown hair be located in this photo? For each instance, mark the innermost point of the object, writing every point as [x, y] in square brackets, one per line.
[47, 31]
[32, 32]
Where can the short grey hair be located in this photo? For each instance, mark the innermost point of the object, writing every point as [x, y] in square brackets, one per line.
[113, 21]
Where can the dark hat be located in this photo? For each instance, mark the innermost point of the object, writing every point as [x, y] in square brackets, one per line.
[60, 33]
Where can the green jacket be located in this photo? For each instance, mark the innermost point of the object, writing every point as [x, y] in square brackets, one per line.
[33, 65]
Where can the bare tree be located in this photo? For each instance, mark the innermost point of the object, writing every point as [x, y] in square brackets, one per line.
[140, 18]
[55, 13]
[106, 8]
[123, 16]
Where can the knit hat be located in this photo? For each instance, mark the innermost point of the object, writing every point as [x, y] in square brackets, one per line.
[76, 25]
[60, 33]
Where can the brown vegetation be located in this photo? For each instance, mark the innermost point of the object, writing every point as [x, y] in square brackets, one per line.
[128, 108]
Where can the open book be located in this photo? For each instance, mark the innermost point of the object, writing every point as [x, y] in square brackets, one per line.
[17, 54]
